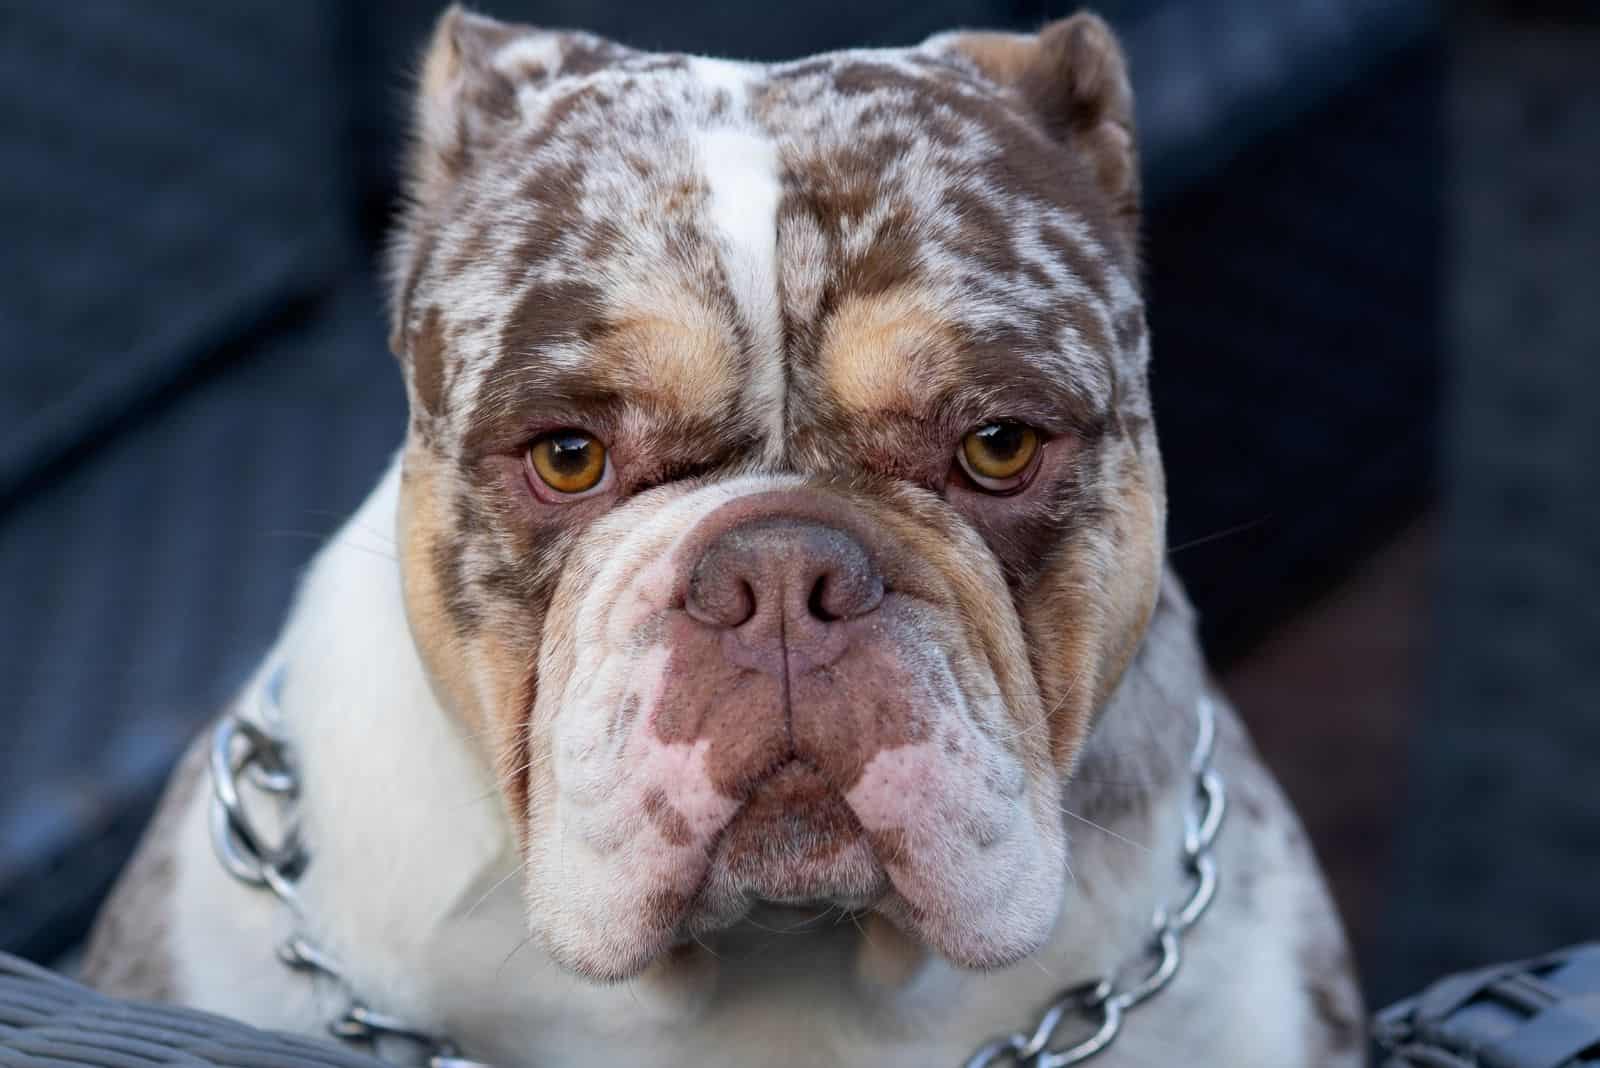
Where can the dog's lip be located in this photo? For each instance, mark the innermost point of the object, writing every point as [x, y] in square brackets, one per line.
[703, 912]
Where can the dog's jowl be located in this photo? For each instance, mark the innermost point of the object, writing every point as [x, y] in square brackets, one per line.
[768, 654]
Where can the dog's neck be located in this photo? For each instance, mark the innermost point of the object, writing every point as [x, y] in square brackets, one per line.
[414, 882]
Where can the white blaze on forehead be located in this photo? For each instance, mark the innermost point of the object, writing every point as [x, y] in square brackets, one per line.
[740, 165]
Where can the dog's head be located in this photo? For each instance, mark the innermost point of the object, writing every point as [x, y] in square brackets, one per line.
[780, 499]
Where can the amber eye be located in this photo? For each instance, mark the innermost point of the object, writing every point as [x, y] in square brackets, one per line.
[999, 456]
[568, 461]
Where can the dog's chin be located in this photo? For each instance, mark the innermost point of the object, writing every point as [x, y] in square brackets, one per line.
[795, 858]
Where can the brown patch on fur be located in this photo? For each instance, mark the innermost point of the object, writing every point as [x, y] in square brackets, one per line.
[484, 676]
[128, 954]
[890, 352]
[796, 812]
[1003, 57]
[681, 357]
[424, 536]
[741, 711]
[548, 314]
[427, 363]
[846, 714]
[1093, 601]
[1138, 528]
[1079, 87]
[667, 820]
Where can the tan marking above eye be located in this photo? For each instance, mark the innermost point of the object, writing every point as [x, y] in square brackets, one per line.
[998, 456]
[568, 461]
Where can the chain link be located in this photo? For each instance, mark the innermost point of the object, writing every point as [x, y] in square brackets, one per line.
[1097, 1009]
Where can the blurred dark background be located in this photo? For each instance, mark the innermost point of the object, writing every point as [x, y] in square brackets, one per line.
[1374, 268]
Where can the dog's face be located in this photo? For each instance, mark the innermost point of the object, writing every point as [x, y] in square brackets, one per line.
[780, 499]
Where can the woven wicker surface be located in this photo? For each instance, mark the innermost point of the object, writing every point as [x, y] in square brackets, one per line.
[49, 1022]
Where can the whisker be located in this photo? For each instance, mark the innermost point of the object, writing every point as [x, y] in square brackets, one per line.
[536, 763]
[374, 532]
[323, 538]
[1101, 827]
[518, 948]
[515, 871]
[1237, 528]
[799, 927]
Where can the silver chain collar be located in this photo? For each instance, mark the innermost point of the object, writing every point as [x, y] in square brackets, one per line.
[1091, 1013]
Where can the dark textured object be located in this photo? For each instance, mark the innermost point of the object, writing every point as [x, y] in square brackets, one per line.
[48, 1022]
[163, 195]
[1497, 854]
[142, 586]
[1542, 1013]
[212, 347]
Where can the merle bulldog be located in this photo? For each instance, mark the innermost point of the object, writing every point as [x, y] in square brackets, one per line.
[761, 648]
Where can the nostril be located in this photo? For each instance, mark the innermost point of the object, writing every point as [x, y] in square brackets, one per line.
[747, 602]
[720, 595]
[817, 602]
[841, 593]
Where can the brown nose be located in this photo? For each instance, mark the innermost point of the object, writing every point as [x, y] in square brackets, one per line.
[780, 582]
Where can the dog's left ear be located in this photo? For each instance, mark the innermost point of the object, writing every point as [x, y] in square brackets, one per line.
[1073, 77]
[461, 98]
[473, 72]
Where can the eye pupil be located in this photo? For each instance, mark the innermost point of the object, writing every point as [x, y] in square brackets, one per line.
[1002, 440]
[569, 453]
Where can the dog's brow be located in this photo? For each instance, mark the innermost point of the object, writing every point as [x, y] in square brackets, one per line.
[678, 365]
[929, 375]
[1047, 404]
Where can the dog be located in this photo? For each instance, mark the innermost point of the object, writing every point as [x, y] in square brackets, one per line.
[761, 648]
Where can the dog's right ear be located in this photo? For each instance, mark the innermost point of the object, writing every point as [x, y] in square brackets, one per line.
[1073, 77]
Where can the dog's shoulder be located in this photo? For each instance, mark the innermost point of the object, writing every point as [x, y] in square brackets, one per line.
[130, 953]
[1270, 881]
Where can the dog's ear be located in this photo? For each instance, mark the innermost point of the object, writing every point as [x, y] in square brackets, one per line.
[1073, 77]
[474, 72]
[463, 99]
